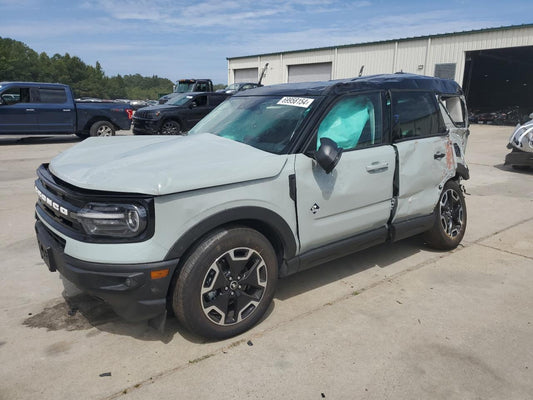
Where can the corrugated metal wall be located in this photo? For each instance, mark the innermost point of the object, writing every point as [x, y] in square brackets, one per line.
[418, 55]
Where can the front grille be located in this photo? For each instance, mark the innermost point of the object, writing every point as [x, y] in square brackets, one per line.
[142, 114]
[59, 203]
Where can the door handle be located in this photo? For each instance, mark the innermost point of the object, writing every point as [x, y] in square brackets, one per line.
[66, 109]
[30, 109]
[438, 156]
[376, 167]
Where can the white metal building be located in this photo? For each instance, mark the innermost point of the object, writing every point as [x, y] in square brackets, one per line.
[500, 58]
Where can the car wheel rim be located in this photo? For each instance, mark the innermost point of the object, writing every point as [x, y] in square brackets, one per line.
[170, 129]
[233, 286]
[451, 213]
[104, 130]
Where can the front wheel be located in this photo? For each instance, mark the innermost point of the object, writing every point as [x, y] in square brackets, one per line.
[170, 127]
[226, 284]
[450, 219]
[102, 128]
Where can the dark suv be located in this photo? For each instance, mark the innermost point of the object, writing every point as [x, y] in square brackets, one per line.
[179, 115]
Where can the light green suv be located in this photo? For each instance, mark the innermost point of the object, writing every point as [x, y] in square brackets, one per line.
[273, 181]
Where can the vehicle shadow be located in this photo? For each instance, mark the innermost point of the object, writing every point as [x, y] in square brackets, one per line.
[79, 311]
[321, 275]
[38, 140]
[508, 168]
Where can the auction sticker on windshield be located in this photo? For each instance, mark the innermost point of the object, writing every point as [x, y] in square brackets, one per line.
[296, 101]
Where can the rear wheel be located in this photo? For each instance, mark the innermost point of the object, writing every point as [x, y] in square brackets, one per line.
[226, 283]
[450, 219]
[170, 127]
[102, 128]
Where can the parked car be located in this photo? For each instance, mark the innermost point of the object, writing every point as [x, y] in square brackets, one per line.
[521, 145]
[177, 116]
[49, 108]
[238, 87]
[188, 86]
[274, 181]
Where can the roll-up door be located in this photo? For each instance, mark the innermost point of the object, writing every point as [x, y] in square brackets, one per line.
[310, 72]
[245, 75]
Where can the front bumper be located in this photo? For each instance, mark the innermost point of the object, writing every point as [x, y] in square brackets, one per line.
[146, 126]
[127, 288]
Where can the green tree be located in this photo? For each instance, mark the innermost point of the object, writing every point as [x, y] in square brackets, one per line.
[18, 62]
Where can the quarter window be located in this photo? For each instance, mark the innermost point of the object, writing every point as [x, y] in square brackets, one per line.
[416, 114]
[353, 122]
[456, 109]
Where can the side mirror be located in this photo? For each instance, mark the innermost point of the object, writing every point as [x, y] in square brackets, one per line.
[328, 154]
[193, 104]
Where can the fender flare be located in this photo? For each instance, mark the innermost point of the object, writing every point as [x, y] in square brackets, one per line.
[462, 171]
[269, 223]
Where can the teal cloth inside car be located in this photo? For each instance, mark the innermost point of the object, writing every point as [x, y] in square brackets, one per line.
[345, 122]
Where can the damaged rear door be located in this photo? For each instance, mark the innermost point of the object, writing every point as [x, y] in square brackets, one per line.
[425, 159]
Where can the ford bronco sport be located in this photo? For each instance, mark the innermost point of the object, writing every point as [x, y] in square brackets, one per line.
[273, 181]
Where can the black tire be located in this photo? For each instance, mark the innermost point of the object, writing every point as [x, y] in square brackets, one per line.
[102, 128]
[226, 283]
[450, 219]
[170, 127]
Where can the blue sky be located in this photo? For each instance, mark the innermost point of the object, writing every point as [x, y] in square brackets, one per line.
[180, 39]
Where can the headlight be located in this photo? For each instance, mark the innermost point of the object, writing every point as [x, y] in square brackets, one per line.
[117, 220]
[153, 115]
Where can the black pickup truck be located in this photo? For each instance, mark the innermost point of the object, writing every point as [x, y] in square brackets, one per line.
[178, 115]
[49, 108]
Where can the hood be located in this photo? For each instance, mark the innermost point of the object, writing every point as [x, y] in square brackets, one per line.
[159, 165]
[158, 107]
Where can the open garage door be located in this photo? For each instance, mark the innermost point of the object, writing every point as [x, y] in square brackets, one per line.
[245, 75]
[500, 80]
[310, 72]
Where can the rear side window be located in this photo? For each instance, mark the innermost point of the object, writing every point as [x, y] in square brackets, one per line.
[353, 122]
[57, 96]
[415, 115]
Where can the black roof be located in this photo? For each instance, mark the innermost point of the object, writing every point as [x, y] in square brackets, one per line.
[371, 82]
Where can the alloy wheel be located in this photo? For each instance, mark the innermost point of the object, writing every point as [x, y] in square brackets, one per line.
[233, 286]
[451, 213]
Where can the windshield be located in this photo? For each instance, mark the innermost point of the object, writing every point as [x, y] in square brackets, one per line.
[233, 86]
[179, 100]
[264, 122]
[184, 87]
